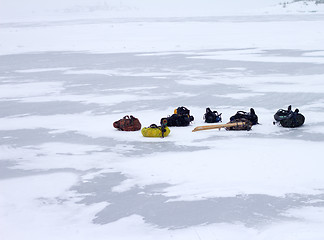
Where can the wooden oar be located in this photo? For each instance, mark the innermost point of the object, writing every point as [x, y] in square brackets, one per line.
[236, 124]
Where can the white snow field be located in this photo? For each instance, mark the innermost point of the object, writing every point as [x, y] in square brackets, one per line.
[69, 69]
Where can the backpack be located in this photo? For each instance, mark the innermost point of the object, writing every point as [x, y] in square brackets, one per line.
[289, 118]
[180, 118]
[212, 116]
[128, 123]
[155, 131]
[251, 116]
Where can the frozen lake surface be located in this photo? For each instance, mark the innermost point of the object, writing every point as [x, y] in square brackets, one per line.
[65, 172]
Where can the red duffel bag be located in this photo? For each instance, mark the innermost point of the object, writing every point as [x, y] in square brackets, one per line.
[128, 123]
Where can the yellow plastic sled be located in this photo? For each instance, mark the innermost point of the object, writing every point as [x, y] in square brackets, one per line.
[155, 131]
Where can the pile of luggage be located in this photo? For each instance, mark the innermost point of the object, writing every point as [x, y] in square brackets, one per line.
[182, 118]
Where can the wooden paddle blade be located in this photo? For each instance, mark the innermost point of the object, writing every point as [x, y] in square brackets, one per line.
[200, 128]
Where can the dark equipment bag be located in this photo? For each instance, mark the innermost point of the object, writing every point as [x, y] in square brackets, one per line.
[251, 116]
[128, 123]
[212, 116]
[180, 118]
[289, 118]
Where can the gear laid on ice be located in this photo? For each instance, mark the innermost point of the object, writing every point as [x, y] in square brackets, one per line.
[128, 123]
[180, 118]
[212, 116]
[288, 118]
[251, 116]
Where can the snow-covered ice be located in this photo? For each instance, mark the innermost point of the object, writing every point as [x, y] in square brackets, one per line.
[69, 69]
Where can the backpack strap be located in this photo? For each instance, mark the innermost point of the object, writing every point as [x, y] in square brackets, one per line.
[163, 125]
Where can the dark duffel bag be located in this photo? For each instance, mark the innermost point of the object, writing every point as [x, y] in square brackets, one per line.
[289, 118]
[180, 118]
[176, 120]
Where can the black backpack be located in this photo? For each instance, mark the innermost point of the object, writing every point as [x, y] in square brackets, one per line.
[212, 116]
[181, 118]
[251, 116]
[289, 118]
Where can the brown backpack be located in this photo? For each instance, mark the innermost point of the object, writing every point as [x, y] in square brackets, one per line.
[128, 123]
